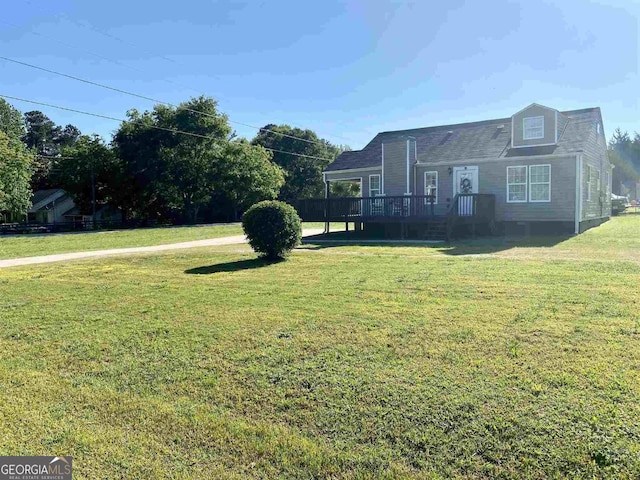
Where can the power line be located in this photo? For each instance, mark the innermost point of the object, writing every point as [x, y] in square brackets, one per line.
[171, 130]
[93, 54]
[131, 44]
[151, 99]
[103, 33]
[129, 66]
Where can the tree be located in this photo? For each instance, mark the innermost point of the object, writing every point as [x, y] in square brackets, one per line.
[303, 174]
[173, 175]
[41, 133]
[67, 136]
[246, 175]
[624, 154]
[15, 173]
[344, 189]
[11, 122]
[89, 166]
[167, 170]
[46, 139]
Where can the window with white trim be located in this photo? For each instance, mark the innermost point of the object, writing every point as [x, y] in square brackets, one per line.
[431, 185]
[517, 184]
[374, 185]
[540, 183]
[533, 128]
[589, 177]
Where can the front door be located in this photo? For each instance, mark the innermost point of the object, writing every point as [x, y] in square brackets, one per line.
[465, 181]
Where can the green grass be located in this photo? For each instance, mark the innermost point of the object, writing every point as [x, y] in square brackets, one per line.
[618, 239]
[344, 362]
[34, 245]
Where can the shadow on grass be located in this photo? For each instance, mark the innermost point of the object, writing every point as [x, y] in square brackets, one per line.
[462, 246]
[232, 266]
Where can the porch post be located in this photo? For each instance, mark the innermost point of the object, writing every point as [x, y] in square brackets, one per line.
[326, 210]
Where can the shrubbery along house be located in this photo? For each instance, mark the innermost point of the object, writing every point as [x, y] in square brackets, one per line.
[541, 170]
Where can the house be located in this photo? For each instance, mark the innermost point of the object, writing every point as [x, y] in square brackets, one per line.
[104, 214]
[539, 170]
[56, 206]
[49, 206]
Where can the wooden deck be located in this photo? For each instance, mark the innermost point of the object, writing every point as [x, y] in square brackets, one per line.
[472, 209]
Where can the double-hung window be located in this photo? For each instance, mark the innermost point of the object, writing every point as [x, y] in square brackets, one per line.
[540, 183]
[533, 128]
[374, 186]
[431, 186]
[517, 184]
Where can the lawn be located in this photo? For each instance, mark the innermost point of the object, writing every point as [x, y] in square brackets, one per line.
[342, 362]
[34, 245]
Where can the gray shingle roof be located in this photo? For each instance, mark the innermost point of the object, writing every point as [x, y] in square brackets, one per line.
[471, 141]
[40, 195]
[43, 199]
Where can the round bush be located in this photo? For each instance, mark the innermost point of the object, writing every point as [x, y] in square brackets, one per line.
[273, 228]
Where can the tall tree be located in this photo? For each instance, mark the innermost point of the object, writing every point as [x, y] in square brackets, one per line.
[46, 139]
[167, 169]
[15, 173]
[173, 175]
[11, 121]
[87, 168]
[67, 136]
[303, 172]
[41, 133]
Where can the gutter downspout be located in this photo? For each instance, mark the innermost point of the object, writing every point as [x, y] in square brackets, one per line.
[579, 193]
[382, 172]
[415, 167]
[408, 190]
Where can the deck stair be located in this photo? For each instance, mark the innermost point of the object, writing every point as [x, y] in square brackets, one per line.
[436, 230]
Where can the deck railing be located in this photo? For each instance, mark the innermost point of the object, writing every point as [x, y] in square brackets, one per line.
[477, 205]
[371, 208]
[471, 208]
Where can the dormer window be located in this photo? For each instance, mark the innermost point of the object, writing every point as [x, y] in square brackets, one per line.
[533, 128]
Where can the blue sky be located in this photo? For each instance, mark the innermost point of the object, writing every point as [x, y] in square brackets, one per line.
[346, 69]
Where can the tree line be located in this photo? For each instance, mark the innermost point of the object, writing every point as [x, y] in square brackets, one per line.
[178, 164]
[624, 154]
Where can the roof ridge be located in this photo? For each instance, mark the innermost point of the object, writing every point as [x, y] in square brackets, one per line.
[580, 110]
[478, 123]
[481, 122]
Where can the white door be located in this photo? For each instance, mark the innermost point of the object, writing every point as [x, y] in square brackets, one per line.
[465, 180]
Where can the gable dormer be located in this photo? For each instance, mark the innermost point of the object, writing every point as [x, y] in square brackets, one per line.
[534, 126]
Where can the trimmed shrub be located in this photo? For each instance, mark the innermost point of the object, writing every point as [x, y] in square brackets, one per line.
[273, 228]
